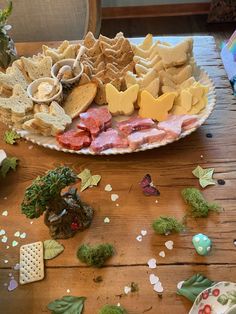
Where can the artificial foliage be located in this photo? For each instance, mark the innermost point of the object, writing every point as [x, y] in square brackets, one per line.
[112, 309]
[166, 225]
[8, 164]
[67, 305]
[198, 205]
[10, 137]
[65, 213]
[7, 48]
[95, 255]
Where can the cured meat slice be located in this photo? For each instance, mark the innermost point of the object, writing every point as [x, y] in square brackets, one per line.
[146, 136]
[108, 139]
[95, 120]
[74, 139]
[175, 123]
[134, 124]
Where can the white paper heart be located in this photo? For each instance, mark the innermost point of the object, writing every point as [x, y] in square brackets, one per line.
[106, 220]
[127, 289]
[23, 235]
[153, 279]
[162, 254]
[139, 238]
[114, 197]
[152, 263]
[5, 261]
[169, 245]
[143, 233]
[158, 287]
[14, 243]
[17, 234]
[179, 284]
[17, 266]
[108, 188]
[4, 239]
[2, 232]
[5, 213]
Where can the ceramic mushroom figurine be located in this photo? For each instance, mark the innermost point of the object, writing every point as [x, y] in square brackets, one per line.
[202, 244]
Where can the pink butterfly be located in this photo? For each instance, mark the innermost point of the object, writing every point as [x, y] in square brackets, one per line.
[148, 187]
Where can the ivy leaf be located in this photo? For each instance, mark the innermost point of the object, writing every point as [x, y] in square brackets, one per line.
[10, 137]
[7, 164]
[67, 305]
[194, 285]
[204, 175]
[87, 179]
[52, 248]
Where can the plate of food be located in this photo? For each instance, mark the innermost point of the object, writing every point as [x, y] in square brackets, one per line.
[107, 96]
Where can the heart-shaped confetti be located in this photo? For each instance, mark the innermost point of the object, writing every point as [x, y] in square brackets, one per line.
[4, 239]
[17, 266]
[2, 232]
[106, 220]
[12, 285]
[143, 233]
[127, 289]
[23, 235]
[5, 213]
[114, 197]
[158, 287]
[108, 188]
[139, 238]
[152, 263]
[14, 243]
[153, 279]
[169, 245]
[6, 261]
[162, 254]
[17, 234]
[179, 284]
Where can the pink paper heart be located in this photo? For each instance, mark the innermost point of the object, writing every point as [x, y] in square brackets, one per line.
[12, 285]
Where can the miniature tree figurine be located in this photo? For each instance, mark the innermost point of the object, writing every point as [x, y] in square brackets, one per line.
[65, 214]
[7, 47]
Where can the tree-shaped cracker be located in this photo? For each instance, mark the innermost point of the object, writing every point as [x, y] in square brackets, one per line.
[64, 213]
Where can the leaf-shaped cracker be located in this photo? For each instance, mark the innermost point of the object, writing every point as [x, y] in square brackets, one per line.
[52, 248]
[10, 137]
[204, 175]
[67, 305]
[87, 179]
[7, 164]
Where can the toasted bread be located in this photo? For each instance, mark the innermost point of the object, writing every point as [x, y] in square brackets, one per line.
[79, 99]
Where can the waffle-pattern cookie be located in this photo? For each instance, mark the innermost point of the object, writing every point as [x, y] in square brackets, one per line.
[31, 263]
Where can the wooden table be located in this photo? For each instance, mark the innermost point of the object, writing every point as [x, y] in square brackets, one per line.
[171, 169]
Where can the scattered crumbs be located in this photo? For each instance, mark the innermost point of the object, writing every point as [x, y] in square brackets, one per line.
[162, 254]
[30, 147]
[143, 233]
[169, 245]
[5, 261]
[12, 285]
[5, 213]
[209, 135]
[108, 188]
[7, 247]
[127, 289]
[118, 304]
[106, 220]
[10, 274]
[31, 222]
[134, 287]
[14, 243]
[5, 198]
[114, 197]
[5, 284]
[201, 156]
[68, 290]
[221, 182]
[152, 263]
[98, 279]
[156, 201]
[139, 238]
[117, 205]
[179, 284]
[4, 239]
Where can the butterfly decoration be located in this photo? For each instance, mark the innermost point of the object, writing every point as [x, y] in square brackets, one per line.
[148, 187]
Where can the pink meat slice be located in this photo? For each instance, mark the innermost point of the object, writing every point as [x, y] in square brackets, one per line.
[136, 139]
[134, 124]
[175, 123]
[95, 120]
[108, 139]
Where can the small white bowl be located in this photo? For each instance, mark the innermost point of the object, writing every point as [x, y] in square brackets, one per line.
[33, 87]
[59, 64]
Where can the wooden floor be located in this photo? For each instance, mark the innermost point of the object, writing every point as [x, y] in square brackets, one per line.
[175, 25]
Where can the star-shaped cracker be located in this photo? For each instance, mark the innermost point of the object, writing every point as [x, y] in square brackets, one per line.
[12, 77]
[37, 68]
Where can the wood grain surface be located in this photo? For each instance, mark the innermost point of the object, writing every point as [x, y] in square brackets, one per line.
[171, 169]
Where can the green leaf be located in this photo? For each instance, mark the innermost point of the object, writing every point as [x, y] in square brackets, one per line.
[193, 286]
[10, 137]
[52, 248]
[87, 179]
[223, 299]
[67, 305]
[7, 164]
[204, 175]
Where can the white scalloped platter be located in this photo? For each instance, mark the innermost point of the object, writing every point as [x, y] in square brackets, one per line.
[51, 143]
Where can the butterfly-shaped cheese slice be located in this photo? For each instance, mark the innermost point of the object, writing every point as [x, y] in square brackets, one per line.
[156, 108]
[183, 103]
[175, 55]
[121, 102]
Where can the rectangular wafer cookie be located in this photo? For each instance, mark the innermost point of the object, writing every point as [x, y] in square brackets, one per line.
[31, 262]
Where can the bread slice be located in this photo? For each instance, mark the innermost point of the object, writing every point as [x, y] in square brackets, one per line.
[37, 68]
[79, 99]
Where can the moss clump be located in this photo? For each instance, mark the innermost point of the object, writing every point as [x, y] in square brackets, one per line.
[112, 309]
[95, 255]
[165, 224]
[198, 205]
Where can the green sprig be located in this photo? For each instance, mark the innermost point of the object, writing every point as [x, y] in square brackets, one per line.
[166, 225]
[95, 255]
[112, 309]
